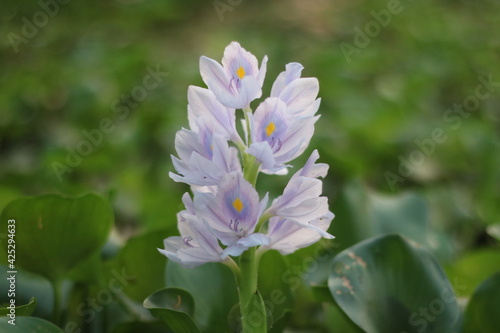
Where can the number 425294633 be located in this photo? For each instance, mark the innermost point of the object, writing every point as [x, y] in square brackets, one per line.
[11, 247]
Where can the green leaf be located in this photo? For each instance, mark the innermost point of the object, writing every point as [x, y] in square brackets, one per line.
[259, 319]
[21, 310]
[28, 325]
[481, 314]
[276, 293]
[54, 234]
[175, 307]
[213, 288]
[367, 214]
[140, 258]
[469, 271]
[387, 284]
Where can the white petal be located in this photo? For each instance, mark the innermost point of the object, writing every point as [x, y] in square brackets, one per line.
[300, 94]
[292, 72]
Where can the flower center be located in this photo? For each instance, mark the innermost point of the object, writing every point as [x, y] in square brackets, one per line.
[238, 205]
[240, 72]
[270, 129]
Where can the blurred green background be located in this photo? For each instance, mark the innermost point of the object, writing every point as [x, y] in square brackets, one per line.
[62, 76]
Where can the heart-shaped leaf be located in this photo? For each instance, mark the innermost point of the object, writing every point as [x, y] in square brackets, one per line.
[54, 234]
[28, 324]
[482, 312]
[387, 284]
[175, 307]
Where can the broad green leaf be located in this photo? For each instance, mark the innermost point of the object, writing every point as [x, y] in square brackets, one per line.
[21, 310]
[338, 321]
[140, 258]
[367, 214]
[28, 325]
[213, 288]
[275, 291]
[482, 312]
[53, 234]
[389, 284]
[469, 271]
[175, 307]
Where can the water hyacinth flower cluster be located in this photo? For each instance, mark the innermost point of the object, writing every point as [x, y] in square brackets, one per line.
[226, 217]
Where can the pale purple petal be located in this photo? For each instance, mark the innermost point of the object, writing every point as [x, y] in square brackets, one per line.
[205, 158]
[262, 71]
[300, 94]
[288, 236]
[213, 74]
[292, 72]
[233, 211]
[263, 153]
[244, 243]
[196, 245]
[311, 169]
[203, 103]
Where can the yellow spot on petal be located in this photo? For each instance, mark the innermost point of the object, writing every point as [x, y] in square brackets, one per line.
[238, 205]
[270, 128]
[240, 72]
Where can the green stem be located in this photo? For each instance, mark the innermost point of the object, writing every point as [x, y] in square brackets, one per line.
[56, 310]
[247, 286]
[251, 168]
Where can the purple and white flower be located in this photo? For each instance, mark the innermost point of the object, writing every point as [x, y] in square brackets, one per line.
[301, 201]
[202, 103]
[278, 136]
[226, 215]
[204, 157]
[236, 82]
[197, 243]
[233, 213]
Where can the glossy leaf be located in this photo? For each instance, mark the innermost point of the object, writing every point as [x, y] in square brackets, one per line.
[175, 307]
[482, 312]
[389, 284]
[54, 234]
[141, 259]
[213, 288]
[21, 310]
[28, 324]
